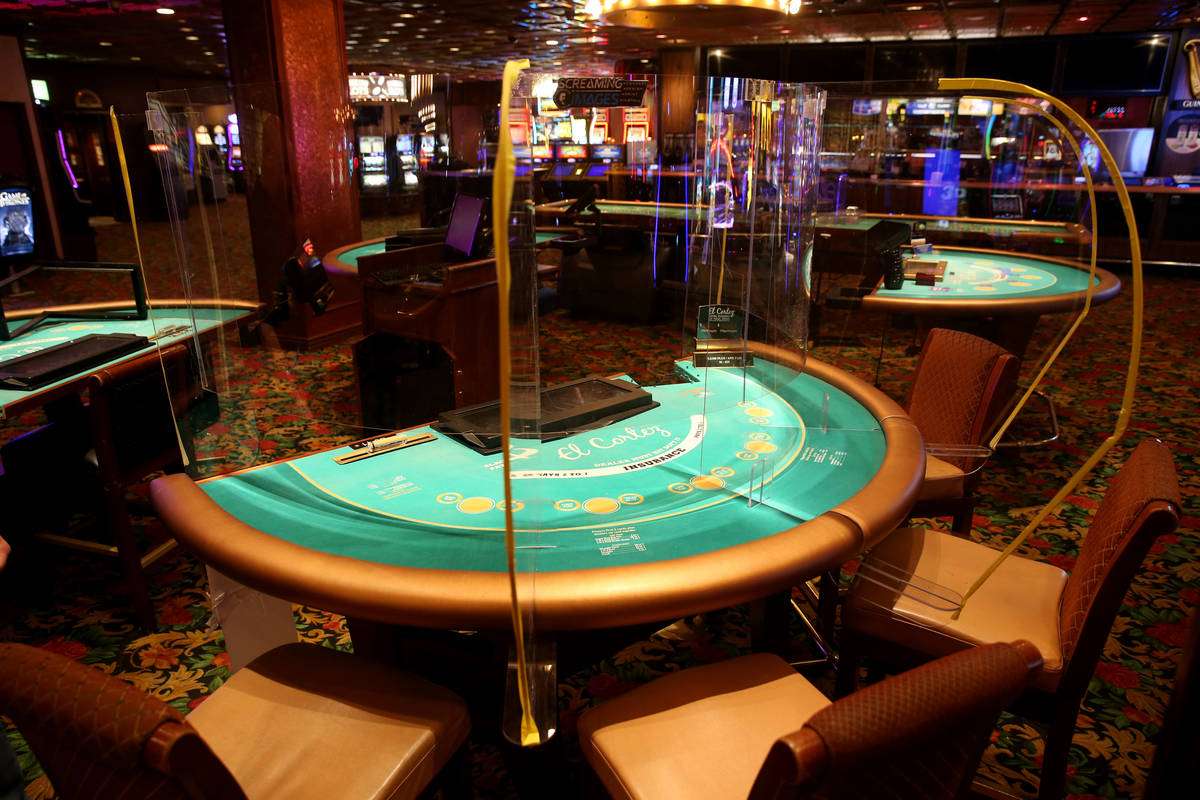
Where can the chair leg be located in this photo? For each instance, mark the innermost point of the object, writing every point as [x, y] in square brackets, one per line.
[1059, 734]
[117, 515]
[964, 515]
[849, 659]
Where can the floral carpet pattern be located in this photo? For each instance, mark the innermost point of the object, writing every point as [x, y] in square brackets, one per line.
[297, 402]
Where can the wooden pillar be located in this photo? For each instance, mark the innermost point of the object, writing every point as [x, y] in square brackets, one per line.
[677, 98]
[288, 63]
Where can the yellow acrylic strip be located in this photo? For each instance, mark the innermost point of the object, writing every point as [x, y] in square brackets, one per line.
[1135, 347]
[137, 244]
[1087, 302]
[502, 190]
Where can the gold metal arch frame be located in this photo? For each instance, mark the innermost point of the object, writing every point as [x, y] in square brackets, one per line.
[980, 87]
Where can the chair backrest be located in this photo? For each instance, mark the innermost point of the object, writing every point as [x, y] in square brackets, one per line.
[1141, 504]
[961, 385]
[918, 735]
[133, 407]
[100, 738]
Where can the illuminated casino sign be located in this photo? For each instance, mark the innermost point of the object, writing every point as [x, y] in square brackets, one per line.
[375, 87]
[604, 91]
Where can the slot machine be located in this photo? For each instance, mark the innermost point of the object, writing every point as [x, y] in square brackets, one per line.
[233, 157]
[373, 160]
[408, 160]
[425, 155]
[603, 157]
[570, 161]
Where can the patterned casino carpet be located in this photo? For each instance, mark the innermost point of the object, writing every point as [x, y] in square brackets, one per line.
[69, 603]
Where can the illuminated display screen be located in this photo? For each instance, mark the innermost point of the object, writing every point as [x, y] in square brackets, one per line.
[572, 151]
[541, 151]
[607, 151]
[16, 222]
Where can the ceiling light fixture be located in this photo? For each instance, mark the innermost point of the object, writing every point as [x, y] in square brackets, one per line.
[666, 14]
[166, 12]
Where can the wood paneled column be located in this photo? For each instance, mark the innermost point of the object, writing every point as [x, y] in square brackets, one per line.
[288, 63]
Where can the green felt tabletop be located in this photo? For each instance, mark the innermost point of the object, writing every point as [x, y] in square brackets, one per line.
[58, 332]
[994, 275]
[720, 462]
[352, 255]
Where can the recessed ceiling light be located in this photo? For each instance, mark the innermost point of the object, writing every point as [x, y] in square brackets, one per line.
[102, 44]
[453, 49]
[437, 21]
[399, 24]
[660, 36]
[552, 42]
[135, 58]
[1083, 19]
[490, 30]
[383, 39]
[420, 36]
[192, 38]
[407, 15]
[209, 53]
[166, 12]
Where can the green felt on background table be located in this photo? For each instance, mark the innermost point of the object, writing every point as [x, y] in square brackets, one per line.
[985, 276]
[352, 255]
[58, 332]
[665, 484]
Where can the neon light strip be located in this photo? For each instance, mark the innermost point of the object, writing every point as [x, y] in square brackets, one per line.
[62, 155]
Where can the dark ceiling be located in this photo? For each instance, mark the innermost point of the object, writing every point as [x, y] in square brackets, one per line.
[471, 39]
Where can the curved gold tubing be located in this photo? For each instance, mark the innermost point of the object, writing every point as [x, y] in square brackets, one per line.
[1135, 252]
[1087, 299]
[502, 191]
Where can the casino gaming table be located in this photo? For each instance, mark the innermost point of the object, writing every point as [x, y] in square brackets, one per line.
[667, 216]
[1064, 239]
[345, 259]
[166, 316]
[646, 520]
[1000, 294]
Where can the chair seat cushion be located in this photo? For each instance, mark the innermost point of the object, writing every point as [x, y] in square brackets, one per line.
[384, 733]
[1021, 600]
[699, 733]
[942, 480]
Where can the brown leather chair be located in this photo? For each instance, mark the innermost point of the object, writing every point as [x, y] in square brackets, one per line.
[901, 606]
[753, 727]
[961, 386]
[299, 722]
[133, 429]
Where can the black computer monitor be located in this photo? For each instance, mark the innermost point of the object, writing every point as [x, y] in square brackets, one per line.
[466, 220]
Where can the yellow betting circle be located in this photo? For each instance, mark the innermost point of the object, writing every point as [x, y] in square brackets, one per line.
[476, 505]
[601, 505]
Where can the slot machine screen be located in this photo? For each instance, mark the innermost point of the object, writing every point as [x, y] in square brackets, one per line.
[404, 144]
[16, 222]
[607, 152]
[572, 151]
[562, 129]
[541, 151]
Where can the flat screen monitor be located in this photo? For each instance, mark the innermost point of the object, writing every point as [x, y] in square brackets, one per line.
[404, 144]
[466, 218]
[566, 408]
[608, 152]
[1130, 148]
[541, 151]
[572, 150]
[562, 170]
[1116, 65]
[16, 222]
[598, 170]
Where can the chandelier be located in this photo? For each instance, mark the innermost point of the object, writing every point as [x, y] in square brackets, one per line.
[693, 14]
